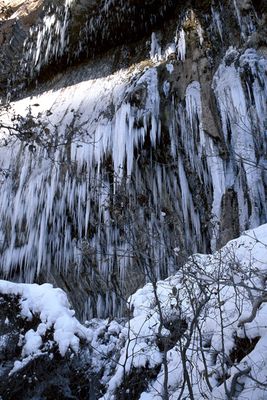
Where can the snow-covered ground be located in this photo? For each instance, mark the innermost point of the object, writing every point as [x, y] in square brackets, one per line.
[201, 320]
[214, 295]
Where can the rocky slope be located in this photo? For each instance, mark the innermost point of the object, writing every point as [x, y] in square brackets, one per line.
[131, 130]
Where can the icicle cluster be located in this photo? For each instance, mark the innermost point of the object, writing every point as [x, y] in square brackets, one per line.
[49, 39]
[58, 211]
[131, 172]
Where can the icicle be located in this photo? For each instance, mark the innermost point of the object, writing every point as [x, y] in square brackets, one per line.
[181, 46]
[236, 118]
[49, 39]
[155, 52]
[246, 23]
[59, 211]
[218, 23]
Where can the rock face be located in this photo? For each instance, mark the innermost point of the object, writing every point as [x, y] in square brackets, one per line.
[123, 154]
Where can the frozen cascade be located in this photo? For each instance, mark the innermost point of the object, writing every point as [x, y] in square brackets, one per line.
[139, 174]
[48, 40]
[246, 21]
[244, 116]
[72, 29]
[207, 149]
[217, 21]
[60, 214]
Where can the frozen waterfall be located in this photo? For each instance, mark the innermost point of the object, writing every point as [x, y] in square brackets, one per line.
[134, 173]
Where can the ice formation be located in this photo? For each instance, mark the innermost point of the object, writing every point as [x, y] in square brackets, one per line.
[58, 197]
[118, 158]
[48, 40]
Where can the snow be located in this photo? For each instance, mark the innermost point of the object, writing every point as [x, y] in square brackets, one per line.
[18, 365]
[52, 307]
[225, 306]
[223, 286]
[59, 329]
[33, 343]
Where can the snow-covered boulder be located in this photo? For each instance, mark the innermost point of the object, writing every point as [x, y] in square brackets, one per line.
[45, 352]
[42, 345]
